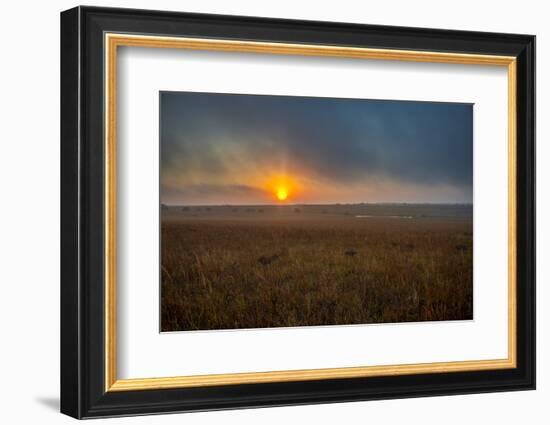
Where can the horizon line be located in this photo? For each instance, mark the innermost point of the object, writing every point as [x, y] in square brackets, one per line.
[318, 204]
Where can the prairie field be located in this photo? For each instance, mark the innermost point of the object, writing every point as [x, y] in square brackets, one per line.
[231, 267]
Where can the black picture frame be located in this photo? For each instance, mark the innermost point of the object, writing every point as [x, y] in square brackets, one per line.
[83, 392]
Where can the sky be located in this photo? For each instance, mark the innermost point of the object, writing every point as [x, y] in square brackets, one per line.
[220, 149]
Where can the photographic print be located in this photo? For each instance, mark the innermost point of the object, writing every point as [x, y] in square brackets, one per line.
[300, 196]
[283, 211]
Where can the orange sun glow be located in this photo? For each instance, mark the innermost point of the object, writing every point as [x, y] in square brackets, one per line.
[282, 193]
[281, 187]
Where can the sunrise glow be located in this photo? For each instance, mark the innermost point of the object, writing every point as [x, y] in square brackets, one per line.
[293, 150]
[282, 187]
[282, 193]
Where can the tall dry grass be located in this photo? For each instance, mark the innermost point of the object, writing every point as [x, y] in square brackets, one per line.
[228, 272]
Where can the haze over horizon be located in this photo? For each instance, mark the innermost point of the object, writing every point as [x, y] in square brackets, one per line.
[223, 149]
[279, 204]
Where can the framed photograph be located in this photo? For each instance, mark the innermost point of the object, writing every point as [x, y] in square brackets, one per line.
[261, 212]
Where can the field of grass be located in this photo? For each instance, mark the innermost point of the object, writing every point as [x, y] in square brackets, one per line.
[228, 267]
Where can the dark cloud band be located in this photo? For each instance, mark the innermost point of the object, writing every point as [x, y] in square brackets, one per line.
[342, 142]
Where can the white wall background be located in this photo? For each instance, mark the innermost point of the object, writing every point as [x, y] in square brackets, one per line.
[29, 213]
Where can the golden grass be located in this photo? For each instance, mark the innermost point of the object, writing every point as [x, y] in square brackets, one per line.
[257, 270]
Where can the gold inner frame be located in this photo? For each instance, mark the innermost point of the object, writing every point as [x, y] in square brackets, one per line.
[113, 41]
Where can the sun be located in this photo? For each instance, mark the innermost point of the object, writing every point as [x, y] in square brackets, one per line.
[282, 188]
[282, 193]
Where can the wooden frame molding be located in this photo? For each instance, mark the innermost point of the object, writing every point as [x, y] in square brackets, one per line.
[114, 40]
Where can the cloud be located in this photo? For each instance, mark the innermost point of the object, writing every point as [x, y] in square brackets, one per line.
[211, 193]
[221, 140]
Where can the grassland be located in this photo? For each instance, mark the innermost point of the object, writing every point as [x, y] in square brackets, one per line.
[228, 267]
